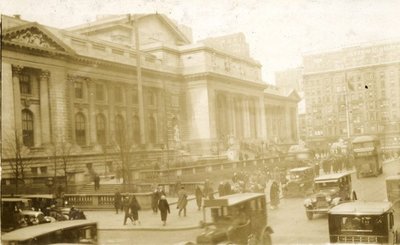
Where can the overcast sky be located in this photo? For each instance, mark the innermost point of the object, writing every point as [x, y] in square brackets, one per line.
[278, 31]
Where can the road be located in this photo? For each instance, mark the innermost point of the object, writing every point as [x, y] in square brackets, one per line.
[289, 221]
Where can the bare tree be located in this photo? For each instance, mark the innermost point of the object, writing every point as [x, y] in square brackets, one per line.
[61, 151]
[15, 150]
[123, 145]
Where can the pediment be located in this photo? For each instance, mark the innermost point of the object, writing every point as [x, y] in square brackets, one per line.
[35, 36]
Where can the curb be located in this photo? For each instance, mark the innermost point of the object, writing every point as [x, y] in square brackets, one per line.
[152, 228]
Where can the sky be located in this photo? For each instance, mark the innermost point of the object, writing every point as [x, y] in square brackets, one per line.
[279, 32]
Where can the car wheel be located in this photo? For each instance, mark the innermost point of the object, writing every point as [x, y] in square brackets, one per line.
[309, 215]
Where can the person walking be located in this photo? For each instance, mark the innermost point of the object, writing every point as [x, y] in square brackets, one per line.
[135, 207]
[117, 201]
[199, 197]
[274, 194]
[155, 197]
[221, 189]
[163, 206]
[182, 201]
[125, 204]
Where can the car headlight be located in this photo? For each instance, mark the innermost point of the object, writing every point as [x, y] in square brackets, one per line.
[307, 202]
[328, 198]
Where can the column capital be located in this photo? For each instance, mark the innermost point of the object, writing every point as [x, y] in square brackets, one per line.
[44, 74]
[71, 78]
[16, 70]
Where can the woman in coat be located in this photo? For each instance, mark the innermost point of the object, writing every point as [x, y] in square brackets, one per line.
[135, 207]
[199, 197]
[164, 208]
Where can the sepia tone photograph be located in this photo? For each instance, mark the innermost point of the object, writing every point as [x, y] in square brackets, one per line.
[200, 122]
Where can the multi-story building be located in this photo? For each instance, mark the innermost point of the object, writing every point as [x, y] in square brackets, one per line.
[134, 83]
[353, 91]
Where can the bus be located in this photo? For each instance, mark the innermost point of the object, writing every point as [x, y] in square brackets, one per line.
[65, 232]
[367, 156]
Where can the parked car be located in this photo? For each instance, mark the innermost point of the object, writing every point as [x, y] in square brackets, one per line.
[364, 222]
[35, 217]
[300, 183]
[330, 190]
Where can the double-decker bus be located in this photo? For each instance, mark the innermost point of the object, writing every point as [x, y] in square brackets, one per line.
[367, 156]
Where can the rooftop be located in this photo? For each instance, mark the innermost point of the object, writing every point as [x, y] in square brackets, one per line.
[361, 207]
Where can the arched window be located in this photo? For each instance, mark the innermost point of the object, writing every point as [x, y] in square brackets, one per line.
[101, 129]
[80, 129]
[152, 130]
[136, 130]
[119, 129]
[27, 128]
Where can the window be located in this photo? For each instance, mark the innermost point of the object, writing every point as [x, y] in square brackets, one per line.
[152, 98]
[80, 129]
[100, 92]
[101, 129]
[25, 84]
[27, 128]
[78, 90]
[152, 130]
[136, 130]
[135, 97]
[43, 170]
[119, 129]
[34, 170]
[118, 94]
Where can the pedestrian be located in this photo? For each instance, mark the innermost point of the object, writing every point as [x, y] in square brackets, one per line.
[97, 182]
[155, 197]
[117, 201]
[274, 194]
[221, 189]
[163, 206]
[199, 197]
[227, 188]
[182, 201]
[125, 204]
[135, 207]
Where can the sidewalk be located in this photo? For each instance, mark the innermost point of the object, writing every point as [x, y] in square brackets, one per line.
[109, 220]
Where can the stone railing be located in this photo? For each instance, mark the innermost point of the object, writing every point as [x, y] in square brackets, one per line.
[206, 169]
[104, 201]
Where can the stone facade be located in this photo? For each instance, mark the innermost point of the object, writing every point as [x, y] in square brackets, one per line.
[365, 79]
[92, 87]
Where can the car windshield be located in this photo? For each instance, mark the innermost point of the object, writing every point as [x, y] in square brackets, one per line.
[365, 224]
[326, 185]
[363, 145]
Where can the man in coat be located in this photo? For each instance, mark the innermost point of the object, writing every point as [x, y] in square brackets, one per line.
[199, 197]
[117, 201]
[182, 201]
[164, 208]
[126, 205]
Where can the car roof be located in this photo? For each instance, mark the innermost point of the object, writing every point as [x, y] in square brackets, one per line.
[361, 207]
[231, 200]
[29, 232]
[300, 169]
[14, 199]
[45, 196]
[393, 177]
[364, 138]
[332, 177]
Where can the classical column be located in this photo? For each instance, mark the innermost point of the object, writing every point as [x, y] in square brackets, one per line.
[129, 119]
[71, 93]
[111, 114]
[44, 106]
[246, 118]
[92, 111]
[16, 72]
[230, 119]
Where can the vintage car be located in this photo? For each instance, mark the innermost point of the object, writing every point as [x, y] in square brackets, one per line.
[364, 222]
[236, 219]
[300, 183]
[330, 190]
[393, 188]
[32, 217]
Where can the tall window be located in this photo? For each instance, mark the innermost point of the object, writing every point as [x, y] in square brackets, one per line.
[27, 128]
[80, 129]
[135, 97]
[136, 130]
[119, 129]
[152, 130]
[78, 90]
[101, 129]
[25, 84]
[118, 94]
[100, 92]
[152, 97]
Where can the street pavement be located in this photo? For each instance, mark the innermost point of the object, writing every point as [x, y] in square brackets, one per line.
[109, 220]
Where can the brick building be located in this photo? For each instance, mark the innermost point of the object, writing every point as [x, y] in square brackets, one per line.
[364, 79]
[90, 87]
